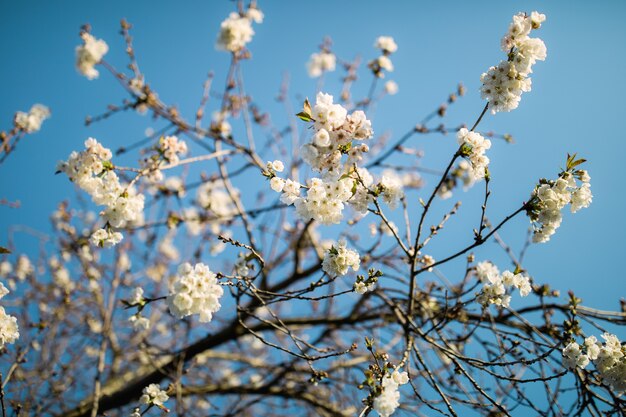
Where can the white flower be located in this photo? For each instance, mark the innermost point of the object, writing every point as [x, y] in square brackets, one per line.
[324, 201]
[321, 138]
[386, 44]
[504, 84]
[139, 322]
[358, 125]
[125, 210]
[389, 399]
[153, 395]
[167, 248]
[383, 62]
[277, 184]
[392, 190]
[31, 122]
[106, 238]
[89, 54]
[5, 269]
[291, 191]
[9, 331]
[277, 166]
[474, 147]
[537, 19]
[362, 287]
[235, 32]
[171, 148]
[581, 198]
[551, 197]
[328, 115]
[391, 87]
[487, 272]
[136, 296]
[338, 260]
[593, 347]
[91, 171]
[321, 62]
[3, 290]
[255, 14]
[23, 268]
[495, 286]
[195, 291]
[214, 196]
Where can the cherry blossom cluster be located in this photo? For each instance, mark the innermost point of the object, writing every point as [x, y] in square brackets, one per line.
[236, 30]
[89, 54]
[9, 331]
[167, 150]
[550, 197]
[137, 300]
[31, 122]
[504, 84]
[363, 285]
[214, 196]
[91, 170]
[340, 182]
[473, 146]
[388, 401]
[495, 285]
[609, 359]
[387, 46]
[321, 62]
[196, 290]
[391, 188]
[106, 238]
[339, 259]
[23, 269]
[153, 395]
[171, 148]
[335, 132]
[324, 200]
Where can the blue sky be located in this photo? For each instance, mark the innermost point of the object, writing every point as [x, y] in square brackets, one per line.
[576, 104]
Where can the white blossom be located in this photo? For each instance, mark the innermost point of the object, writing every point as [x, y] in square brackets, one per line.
[277, 184]
[338, 260]
[139, 322]
[609, 359]
[388, 401]
[235, 32]
[23, 268]
[89, 54]
[171, 148]
[386, 44]
[391, 186]
[195, 291]
[31, 122]
[503, 85]
[550, 197]
[91, 171]
[391, 87]
[106, 238]
[153, 395]
[495, 285]
[474, 147]
[9, 331]
[320, 63]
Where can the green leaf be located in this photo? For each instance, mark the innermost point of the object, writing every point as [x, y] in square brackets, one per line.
[4, 250]
[305, 117]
